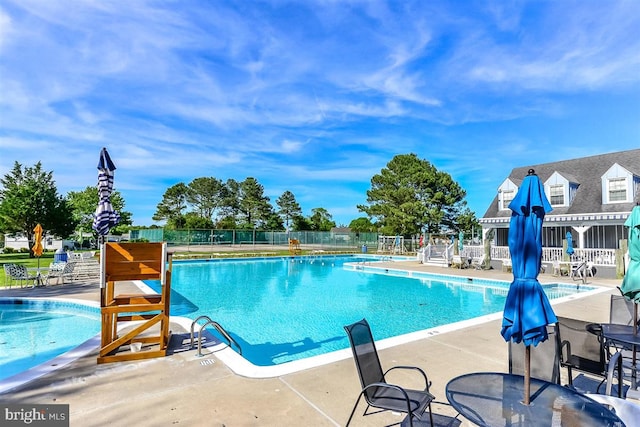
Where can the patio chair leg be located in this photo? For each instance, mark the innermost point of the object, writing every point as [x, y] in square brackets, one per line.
[430, 415]
[354, 410]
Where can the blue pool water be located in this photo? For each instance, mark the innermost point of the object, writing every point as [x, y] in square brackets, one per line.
[35, 331]
[285, 309]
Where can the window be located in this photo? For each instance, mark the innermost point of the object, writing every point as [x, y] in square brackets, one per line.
[617, 190]
[507, 197]
[556, 194]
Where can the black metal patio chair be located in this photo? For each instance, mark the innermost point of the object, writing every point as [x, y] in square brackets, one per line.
[375, 389]
[581, 347]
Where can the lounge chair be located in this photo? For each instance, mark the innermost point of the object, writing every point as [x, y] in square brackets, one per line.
[458, 261]
[377, 392]
[60, 271]
[580, 272]
[477, 262]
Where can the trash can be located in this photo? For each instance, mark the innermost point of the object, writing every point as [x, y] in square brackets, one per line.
[60, 256]
[364, 249]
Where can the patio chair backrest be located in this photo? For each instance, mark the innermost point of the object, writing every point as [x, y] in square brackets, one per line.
[579, 347]
[621, 310]
[365, 355]
[545, 359]
[8, 273]
[8, 269]
[19, 271]
[57, 266]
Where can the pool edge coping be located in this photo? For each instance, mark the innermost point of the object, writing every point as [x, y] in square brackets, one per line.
[238, 364]
[58, 362]
[241, 366]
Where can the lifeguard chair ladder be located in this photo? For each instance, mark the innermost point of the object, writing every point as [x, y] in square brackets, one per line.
[125, 262]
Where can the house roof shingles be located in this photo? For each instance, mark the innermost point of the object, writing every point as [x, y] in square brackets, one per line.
[586, 172]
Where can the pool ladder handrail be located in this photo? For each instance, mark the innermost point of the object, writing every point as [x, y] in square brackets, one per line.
[218, 327]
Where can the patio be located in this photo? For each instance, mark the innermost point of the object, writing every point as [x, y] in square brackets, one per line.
[184, 389]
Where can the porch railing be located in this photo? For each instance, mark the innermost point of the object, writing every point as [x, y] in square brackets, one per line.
[599, 257]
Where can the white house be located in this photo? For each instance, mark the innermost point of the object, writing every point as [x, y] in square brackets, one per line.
[591, 198]
[50, 243]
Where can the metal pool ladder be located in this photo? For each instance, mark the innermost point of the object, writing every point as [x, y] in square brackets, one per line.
[218, 328]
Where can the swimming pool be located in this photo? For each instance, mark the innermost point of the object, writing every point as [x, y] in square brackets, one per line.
[37, 334]
[285, 309]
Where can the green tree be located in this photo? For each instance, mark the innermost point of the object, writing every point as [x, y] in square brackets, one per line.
[273, 222]
[83, 206]
[300, 223]
[195, 221]
[320, 220]
[410, 196]
[205, 196]
[254, 207]
[230, 209]
[467, 220]
[362, 225]
[289, 207]
[29, 196]
[227, 223]
[172, 206]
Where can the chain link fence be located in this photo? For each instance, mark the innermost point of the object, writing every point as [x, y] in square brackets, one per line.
[310, 239]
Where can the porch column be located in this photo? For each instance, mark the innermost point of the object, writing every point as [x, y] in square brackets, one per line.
[581, 230]
[487, 235]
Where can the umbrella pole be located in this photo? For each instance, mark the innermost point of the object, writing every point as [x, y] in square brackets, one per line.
[634, 353]
[527, 374]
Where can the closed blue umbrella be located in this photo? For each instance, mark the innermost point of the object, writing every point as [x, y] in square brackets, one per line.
[569, 243]
[105, 217]
[527, 310]
[460, 243]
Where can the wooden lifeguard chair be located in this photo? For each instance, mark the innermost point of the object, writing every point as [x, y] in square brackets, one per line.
[294, 247]
[135, 314]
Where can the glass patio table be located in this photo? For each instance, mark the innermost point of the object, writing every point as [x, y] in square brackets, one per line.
[493, 399]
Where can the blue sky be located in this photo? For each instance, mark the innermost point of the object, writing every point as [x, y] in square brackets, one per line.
[314, 97]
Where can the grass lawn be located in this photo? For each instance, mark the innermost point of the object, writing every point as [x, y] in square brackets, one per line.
[23, 258]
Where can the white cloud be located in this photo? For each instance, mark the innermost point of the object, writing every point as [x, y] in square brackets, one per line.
[311, 95]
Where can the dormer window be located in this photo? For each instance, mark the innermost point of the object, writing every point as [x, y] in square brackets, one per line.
[506, 193]
[561, 188]
[618, 185]
[556, 195]
[507, 197]
[618, 190]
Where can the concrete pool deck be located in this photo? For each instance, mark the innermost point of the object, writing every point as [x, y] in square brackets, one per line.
[182, 389]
